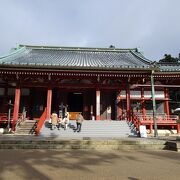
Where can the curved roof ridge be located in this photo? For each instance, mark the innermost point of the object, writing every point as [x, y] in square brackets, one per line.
[14, 52]
[78, 48]
[65, 57]
[141, 57]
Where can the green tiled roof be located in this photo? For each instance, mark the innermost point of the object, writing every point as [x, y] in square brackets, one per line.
[169, 67]
[76, 58]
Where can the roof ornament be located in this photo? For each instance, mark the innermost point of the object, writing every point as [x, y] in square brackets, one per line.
[154, 64]
[112, 46]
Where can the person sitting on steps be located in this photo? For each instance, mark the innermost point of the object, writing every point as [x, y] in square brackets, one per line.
[54, 119]
[65, 122]
[59, 122]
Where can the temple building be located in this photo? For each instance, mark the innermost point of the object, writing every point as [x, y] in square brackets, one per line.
[102, 83]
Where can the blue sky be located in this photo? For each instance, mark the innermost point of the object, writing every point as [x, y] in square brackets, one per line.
[151, 25]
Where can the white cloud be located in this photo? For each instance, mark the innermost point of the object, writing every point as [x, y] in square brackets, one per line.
[151, 25]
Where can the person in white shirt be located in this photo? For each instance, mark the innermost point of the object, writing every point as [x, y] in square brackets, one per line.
[66, 121]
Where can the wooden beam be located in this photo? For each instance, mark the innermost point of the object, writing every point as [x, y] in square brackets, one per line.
[149, 85]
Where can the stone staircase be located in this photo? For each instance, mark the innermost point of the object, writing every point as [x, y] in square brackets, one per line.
[97, 129]
[105, 135]
[26, 127]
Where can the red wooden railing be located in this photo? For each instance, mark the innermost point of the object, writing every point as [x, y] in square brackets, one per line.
[135, 120]
[161, 119]
[4, 117]
[40, 122]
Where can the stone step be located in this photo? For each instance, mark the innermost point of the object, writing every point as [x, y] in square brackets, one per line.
[25, 133]
[27, 124]
[83, 144]
[24, 127]
[84, 132]
[23, 130]
[112, 147]
[30, 121]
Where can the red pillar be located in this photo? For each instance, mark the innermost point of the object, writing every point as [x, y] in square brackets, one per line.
[128, 103]
[98, 105]
[143, 109]
[166, 95]
[49, 101]
[16, 107]
[119, 107]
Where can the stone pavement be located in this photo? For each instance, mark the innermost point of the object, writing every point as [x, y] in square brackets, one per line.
[89, 165]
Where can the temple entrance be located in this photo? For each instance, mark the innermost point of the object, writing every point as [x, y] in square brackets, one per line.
[37, 104]
[75, 102]
[108, 105]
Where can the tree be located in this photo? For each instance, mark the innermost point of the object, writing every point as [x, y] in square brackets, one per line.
[168, 59]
